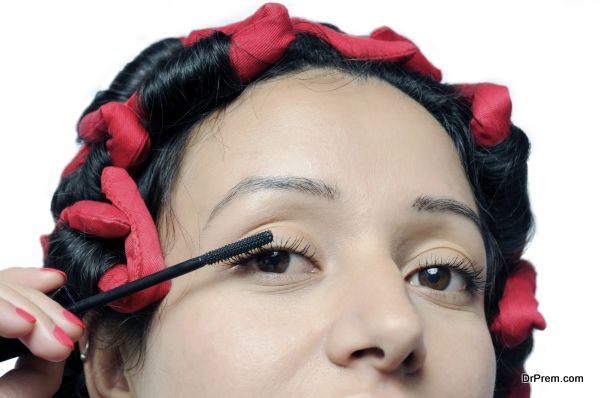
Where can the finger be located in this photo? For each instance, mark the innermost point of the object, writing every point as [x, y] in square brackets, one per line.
[14, 321]
[32, 377]
[70, 323]
[42, 279]
[47, 339]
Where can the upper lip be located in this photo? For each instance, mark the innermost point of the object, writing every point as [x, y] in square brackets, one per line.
[376, 386]
[378, 390]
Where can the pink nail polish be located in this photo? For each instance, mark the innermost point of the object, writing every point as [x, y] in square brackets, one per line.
[73, 319]
[55, 270]
[25, 315]
[62, 337]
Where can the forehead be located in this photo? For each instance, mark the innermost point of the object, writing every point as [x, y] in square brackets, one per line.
[377, 145]
[326, 124]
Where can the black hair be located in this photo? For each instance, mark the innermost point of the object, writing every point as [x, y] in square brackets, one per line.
[179, 87]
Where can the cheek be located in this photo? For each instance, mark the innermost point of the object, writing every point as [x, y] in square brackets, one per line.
[460, 354]
[231, 345]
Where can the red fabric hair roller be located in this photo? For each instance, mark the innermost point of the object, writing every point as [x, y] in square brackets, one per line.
[256, 42]
[491, 107]
[142, 245]
[96, 218]
[119, 124]
[518, 309]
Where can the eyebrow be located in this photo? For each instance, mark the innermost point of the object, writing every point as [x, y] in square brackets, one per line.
[321, 189]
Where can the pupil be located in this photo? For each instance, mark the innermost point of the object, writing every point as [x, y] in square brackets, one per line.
[433, 275]
[273, 261]
[437, 278]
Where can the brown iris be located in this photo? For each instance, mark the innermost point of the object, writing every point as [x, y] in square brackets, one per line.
[435, 278]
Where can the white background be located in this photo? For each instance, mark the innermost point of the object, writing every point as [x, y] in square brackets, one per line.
[55, 55]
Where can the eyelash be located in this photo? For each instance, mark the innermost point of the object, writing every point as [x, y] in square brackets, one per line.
[473, 275]
[275, 245]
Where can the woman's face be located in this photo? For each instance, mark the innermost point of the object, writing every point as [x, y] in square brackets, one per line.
[350, 171]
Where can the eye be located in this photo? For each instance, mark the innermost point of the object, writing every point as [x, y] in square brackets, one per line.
[457, 275]
[439, 278]
[279, 257]
[278, 261]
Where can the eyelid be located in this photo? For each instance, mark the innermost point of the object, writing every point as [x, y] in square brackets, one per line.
[444, 252]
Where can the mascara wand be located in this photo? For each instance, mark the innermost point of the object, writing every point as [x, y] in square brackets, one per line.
[11, 348]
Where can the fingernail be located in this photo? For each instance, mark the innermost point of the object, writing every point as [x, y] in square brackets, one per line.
[62, 337]
[55, 270]
[73, 319]
[25, 315]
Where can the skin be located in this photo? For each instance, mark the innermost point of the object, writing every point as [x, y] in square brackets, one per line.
[356, 319]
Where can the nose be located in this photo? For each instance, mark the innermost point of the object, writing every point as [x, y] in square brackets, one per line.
[375, 322]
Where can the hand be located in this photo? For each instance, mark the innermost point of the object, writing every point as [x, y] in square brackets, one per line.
[43, 325]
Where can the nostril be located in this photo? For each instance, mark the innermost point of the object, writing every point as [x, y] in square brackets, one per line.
[411, 363]
[360, 353]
